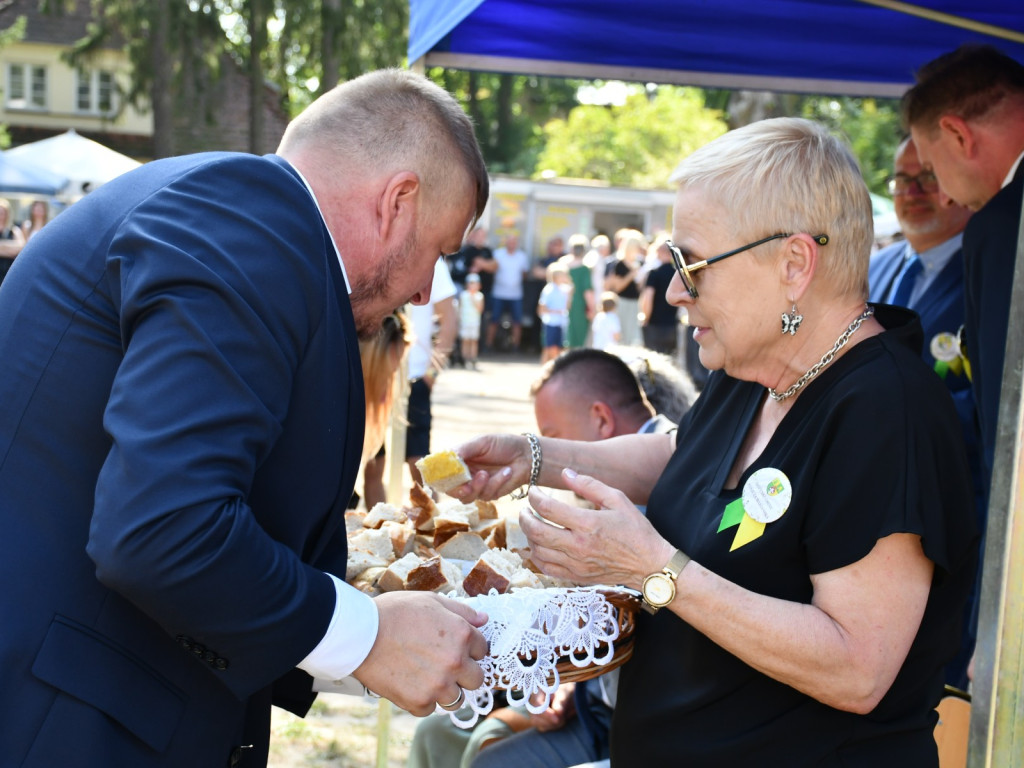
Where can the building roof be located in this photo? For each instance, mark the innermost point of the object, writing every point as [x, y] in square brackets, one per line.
[67, 24]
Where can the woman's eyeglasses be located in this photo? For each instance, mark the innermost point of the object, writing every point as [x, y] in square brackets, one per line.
[686, 270]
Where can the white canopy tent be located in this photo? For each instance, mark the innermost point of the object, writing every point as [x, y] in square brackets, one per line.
[86, 164]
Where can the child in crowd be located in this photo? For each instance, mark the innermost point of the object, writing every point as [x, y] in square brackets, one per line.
[471, 307]
[553, 308]
[606, 327]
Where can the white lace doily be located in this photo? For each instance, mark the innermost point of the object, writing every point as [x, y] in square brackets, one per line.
[527, 631]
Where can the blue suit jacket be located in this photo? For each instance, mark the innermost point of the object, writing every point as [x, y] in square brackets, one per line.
[181, 428]
[990, 254]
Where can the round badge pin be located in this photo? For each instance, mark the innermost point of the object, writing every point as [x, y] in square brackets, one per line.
[766, 495]
[943, 347]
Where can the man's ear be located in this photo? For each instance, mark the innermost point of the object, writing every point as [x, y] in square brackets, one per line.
[604, 419]
[959, 130]
[397, 206]
[799, 263]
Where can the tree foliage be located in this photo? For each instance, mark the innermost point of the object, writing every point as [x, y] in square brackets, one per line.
[637, 144]
[872, 126]
[526, 125]
[508, 112]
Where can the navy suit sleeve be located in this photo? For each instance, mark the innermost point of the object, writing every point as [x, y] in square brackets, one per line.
[218, 302]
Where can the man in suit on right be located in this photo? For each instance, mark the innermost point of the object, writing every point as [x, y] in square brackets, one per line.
[966, 115]
[925, 273]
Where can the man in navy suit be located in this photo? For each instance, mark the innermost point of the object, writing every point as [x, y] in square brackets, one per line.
[925, 272]
[181, 429]
[966, 114]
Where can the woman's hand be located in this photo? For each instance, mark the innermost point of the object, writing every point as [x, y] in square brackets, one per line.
[612, 544]
[499, 464]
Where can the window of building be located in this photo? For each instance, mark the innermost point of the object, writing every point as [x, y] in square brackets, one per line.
[95, 92]
[26, 86]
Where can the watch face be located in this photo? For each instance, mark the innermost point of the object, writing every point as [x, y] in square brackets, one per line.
[659, 589]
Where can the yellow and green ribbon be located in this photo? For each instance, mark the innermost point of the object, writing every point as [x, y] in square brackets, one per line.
[749, 528]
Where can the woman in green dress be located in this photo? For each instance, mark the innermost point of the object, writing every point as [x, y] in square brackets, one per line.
[581, 309]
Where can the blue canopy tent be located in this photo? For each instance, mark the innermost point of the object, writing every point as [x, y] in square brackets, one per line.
[841, 47]
[19, 176]
[854, 47]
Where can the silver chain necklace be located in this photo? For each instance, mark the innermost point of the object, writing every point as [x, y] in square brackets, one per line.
[825, 360]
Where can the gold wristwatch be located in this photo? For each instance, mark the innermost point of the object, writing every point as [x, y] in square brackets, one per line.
[659, 588]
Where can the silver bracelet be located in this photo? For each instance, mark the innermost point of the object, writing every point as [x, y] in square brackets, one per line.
[535, 462]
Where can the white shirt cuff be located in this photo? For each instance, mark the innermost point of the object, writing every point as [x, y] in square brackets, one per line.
[349, 638]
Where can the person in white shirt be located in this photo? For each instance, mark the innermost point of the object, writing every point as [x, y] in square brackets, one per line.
[511, 264]
[427, 358]
[606, 328]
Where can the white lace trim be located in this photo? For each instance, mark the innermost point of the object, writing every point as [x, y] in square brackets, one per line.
[527, 631]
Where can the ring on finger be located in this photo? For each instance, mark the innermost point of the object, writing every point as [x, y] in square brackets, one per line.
[451, 706]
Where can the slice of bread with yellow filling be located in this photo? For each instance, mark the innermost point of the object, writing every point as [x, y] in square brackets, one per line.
[443, 471]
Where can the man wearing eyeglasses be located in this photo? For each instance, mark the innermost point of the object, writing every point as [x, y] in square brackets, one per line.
[925, 273]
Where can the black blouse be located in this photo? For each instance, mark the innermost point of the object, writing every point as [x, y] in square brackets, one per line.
[871, 447]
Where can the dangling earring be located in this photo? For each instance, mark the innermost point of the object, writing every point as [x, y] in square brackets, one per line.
[791, 321]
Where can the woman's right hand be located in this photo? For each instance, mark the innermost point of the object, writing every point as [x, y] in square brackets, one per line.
[499, 464]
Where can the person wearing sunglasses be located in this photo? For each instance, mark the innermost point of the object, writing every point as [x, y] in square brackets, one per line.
[809, 539]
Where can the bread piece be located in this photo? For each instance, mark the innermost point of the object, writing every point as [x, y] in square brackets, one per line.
[434, 575]
[470, 511]
[367, 580]
[383, 511]
[493, 533]
[487, 510]
[524, 578]
[423, 509]
[377, 541]
[424, 546]
[354, 520]
[396, 576]
[403, 537]
[443, 471]
[464, 545]
[496, 569]
[514, 537]
[359, 561]
[447, 523]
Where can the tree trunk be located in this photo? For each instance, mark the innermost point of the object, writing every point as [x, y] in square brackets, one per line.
[258, 44]
[162, 94]
[330, 34]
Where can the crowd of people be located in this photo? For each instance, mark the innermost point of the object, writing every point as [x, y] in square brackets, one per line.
[187, 409]
[595, 292]
[13, 236]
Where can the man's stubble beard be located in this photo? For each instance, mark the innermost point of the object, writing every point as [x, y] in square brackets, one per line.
[373, 289]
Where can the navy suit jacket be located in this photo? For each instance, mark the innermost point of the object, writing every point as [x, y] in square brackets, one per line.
[181, 427]
[990, 254]
[941, 310]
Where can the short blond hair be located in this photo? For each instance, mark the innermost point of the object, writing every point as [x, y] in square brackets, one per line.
[790, 175]
[395, 120]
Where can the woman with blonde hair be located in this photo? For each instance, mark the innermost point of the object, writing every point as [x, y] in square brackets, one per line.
[382, 357]
[12, 240]
[810, 540]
